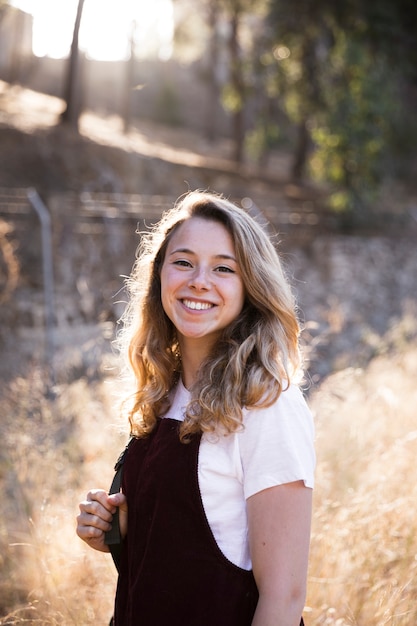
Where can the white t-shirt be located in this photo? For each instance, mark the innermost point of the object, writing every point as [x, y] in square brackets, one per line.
[276, 446]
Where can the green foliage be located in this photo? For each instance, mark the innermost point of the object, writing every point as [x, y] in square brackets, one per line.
[232, 101]
[340, 68]
[262, 138]
[355, 128]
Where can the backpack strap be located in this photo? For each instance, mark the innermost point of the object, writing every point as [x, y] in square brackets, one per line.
[113, 537]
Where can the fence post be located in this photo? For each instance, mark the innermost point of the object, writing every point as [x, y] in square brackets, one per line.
[48, 277]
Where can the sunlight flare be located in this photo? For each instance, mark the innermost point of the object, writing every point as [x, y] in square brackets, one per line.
[105, 30]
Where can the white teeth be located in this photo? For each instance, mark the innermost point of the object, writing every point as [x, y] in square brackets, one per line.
[197, 306]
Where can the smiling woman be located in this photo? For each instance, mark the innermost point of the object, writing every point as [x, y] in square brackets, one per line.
[106, 27]
[202, 290]
[215, 505]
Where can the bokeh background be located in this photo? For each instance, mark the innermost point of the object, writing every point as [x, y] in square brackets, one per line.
[304, 114]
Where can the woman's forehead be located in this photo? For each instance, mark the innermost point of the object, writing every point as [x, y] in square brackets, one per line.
[201, 233]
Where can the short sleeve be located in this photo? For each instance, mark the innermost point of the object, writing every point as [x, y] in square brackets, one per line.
[277, 444]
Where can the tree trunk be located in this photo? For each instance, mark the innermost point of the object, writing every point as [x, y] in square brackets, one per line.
[312, 101]
[302, 149]
[72, 94]
[213, 61]
[130, 73]
[238, 88]
[16, 57]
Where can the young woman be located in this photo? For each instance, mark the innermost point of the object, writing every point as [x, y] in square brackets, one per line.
[215, 506]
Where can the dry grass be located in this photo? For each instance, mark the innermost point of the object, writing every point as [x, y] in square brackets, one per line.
[363, 566]
[53, 450]
[364, 546]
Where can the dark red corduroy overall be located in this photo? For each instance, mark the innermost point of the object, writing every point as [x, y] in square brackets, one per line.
[172, 572]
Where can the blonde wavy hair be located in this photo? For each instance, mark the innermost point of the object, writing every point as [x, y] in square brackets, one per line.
[258, 353]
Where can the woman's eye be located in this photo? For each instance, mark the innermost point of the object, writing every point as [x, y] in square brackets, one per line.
[182, 263]
[223, 268]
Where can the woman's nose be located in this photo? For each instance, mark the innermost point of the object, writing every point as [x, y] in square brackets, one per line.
[200, 279]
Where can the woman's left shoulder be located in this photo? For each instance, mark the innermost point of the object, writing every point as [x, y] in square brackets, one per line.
[285, 423]
[290, 405]
[277, 443]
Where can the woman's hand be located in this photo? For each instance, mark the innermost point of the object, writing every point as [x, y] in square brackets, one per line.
[96, 514]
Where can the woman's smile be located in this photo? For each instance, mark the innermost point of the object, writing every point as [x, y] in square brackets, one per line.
[197, 305]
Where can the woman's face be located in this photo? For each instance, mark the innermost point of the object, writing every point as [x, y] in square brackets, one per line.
[201, 285]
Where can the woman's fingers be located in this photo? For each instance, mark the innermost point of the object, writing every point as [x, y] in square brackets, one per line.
[119, 499]
[94, 519]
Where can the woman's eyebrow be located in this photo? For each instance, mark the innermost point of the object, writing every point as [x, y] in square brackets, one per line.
[229, 257]
[182, 250]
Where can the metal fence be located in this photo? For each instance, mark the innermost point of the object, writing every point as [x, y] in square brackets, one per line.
[91, 238]
[73, 254]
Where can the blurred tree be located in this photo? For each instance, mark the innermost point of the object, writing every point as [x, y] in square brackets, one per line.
[240, 46]
[213, 57]
[17, 23]
[3, 6]
[207, 49]
[339, 67]
[301, 42]
[223, 42]
[388, 27]
[236, 94]
[72, 90]
[355, 128]
[130, 73]
[190, 30]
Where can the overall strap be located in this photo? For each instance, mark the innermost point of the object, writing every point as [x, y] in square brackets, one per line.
[113, 537]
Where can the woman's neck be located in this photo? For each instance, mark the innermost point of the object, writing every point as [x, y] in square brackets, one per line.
[189, 370]
[193, 353]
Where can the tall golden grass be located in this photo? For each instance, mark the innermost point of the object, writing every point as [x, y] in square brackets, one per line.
[364, 544]
[363, 565]
[53, 450]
